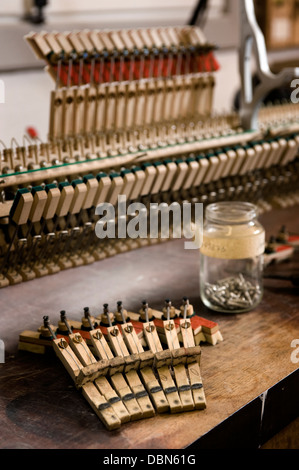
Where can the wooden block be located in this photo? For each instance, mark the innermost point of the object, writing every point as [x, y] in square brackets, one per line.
[171, 334]
[33, 348]
[21, 207]
[273, 154]
[92, 372]
[104, 184]
[38, 205]
[68, 105]
[66, 197]
[131, 339]
[139, 181]
[100, 344]
[290, 153]
[101, 407]
[80, 191]
[100, 111]
[127, 396]
[4, 281]
[178, 356]
[163, 358]
[132, 362]
[203, 167]
[160, 178]
[56, 125]
[116, 341]
[53, 43]
[95, 38]
[191, 175]
[39, 45]
[184, 387]
[197, 386]
[208, 326]
[76, 43]
[64, 42]
[213, 165]
[117, 41]
[223, 159]
[117, 364]
[67, 357]
[182, 170]
[90, 99]
[115, 190]
[152, 338]
[193, 354]
[187, 333]
[128, 183]
[199, 338]
[140, 393]
[78, 111]
[111, 106]
[241, 157]
[170, 389]
[110, 395]
[231, 158]
[105, 38]
[214, 338]
[154, 390]
[81, 349]
[147, 359]
[53, 196]
[150, 174]
[14, 277]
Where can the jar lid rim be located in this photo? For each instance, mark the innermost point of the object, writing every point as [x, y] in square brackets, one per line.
[231, 212]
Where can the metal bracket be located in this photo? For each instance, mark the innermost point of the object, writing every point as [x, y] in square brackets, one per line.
[253, 42]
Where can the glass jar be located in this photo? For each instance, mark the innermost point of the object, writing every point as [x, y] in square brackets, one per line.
[231, 258]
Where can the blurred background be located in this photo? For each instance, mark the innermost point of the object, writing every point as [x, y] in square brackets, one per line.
[27, 86]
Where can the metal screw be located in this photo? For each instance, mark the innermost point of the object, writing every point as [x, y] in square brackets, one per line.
[233, 293]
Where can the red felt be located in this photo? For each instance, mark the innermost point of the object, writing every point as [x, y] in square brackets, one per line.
[293, 238]
[281, 248]
[73, 74]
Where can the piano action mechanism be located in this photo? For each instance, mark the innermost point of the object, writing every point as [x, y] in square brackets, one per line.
[131, 114]
[129, 365]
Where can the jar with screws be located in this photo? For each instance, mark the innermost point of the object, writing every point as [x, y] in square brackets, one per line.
[231, 258]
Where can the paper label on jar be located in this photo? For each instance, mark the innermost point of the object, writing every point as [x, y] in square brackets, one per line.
[234, 248]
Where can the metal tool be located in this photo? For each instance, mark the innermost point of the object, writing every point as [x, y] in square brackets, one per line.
[253, 43]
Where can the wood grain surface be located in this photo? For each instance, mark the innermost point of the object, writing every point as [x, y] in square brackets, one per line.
[249, 380]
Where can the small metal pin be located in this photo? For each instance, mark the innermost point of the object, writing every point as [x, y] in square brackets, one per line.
[151, 327]
[65, 321]
[168, 307]
[186, 305]
[87, 316]
[106, 312]
[145, 309]
[233, 293]
[62, 343]
[47, 325]
[98, 335]
[187, 324]
[120, 309]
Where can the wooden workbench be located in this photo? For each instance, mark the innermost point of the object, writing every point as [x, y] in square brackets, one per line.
[250, 382]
